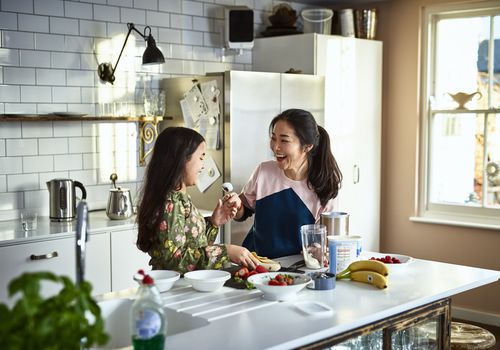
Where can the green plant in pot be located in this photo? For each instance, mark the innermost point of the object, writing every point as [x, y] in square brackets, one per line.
[69, 320]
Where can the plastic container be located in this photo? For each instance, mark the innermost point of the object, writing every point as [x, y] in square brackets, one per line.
[148, 323]
[317, 21]
[342, 251]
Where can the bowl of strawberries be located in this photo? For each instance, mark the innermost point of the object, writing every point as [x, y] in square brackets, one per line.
[394, 262]
[282, 286]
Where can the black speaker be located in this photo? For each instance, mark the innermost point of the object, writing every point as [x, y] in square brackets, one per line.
[239, 27]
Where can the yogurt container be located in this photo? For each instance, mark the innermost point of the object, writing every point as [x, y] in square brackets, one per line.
[342, 251]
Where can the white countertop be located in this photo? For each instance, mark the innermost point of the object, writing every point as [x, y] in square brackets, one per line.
[241, 319]
[11, 232]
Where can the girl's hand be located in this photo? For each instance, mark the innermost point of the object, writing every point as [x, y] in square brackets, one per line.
[226, 209]
[241, 256]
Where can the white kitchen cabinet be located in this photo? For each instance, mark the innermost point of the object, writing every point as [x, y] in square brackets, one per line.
[126, 259]
[57, 256]
[353, 83]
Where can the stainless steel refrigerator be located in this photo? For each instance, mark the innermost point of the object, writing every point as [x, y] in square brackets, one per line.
[247, 103]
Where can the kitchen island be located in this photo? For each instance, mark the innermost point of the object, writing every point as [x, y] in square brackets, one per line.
[242, 319]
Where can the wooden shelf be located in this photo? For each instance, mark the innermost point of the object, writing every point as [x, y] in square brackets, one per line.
[54, 117]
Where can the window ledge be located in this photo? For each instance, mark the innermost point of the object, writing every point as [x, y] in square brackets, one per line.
[451, 222]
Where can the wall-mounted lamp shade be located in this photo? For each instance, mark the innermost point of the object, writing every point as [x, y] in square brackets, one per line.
[152, 55]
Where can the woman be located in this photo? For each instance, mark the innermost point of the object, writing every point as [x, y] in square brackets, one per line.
[292, 190]
[171, 230]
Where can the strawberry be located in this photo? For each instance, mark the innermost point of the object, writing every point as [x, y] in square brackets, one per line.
[260, 269]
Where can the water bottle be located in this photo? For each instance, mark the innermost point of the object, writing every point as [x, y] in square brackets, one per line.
[147, 318]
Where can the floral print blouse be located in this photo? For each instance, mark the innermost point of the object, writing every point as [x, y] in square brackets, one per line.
[186, 239]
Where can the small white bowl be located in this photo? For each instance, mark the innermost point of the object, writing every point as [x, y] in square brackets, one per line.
[283, 293]
[207, 280]
[405, 260]
[164, 279]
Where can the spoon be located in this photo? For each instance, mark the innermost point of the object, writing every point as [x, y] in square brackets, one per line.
[113, 178]
[227, 187]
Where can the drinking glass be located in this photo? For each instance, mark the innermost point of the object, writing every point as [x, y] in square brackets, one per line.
[314, 245]
[29, 220]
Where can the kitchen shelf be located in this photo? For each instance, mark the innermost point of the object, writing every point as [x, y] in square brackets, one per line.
[148, 126]
[53, 117]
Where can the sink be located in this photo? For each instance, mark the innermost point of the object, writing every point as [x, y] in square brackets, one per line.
[116, 318]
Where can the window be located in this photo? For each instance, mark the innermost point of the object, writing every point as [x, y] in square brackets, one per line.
[460, 140]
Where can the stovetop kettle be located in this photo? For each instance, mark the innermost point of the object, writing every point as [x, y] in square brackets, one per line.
[62, 198]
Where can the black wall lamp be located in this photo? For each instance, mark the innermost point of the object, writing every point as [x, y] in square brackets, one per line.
[152, 55]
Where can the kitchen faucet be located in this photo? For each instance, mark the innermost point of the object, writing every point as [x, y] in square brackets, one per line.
[82, 236]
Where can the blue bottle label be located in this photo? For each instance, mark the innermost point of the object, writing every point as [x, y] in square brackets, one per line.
[147, 324]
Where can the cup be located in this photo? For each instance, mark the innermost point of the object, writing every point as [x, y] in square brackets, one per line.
[314, 245]
[29, 220]
[336, 222]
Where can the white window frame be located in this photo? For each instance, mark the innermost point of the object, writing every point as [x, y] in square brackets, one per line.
[456, 215]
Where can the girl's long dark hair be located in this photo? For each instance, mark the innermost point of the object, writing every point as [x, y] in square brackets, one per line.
[323, 173]
[173, 148]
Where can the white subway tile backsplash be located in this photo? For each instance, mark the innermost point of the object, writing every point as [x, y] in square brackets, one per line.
[11, 165]
[86, 177]
[30, 58]
[146, 4]
[63, 25]
[37, 164]
[80, 78]
[8, 20]
[181, 52]
[36, 129]
[213, 11]
[77, 10]
[82, 144]
[17, 40]
[14, 75]
[132, 15]
[20, 108]
[92, 28]
[181, 21]
[11, 201]
[45, 177]
[36, 94]
[9, 57]
[194, 8]
[192, 67]
[53, 146]
[78, 44]
[90, 160]
[37, 199]
[2, 148]
[88, 96]
[46, 108]
[66, 95]
[3, 183]
[49, 7]
[33, 23]
[10, 93]
[68, 162]
[21, 147]
[49, 42]
[67, 128]
[192, 38]
[50, 76]
[65, 60]
[203, 24]
[169, 35]
[25, 6]
[106, 13]
[159, 19]
[213, 39]
[128, 3]
[170, 6]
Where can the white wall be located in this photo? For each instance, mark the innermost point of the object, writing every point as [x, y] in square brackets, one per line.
[49, 51]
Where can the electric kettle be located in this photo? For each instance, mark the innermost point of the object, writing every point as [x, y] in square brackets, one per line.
[62, 198]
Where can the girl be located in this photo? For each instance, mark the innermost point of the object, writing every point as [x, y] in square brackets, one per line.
[171, 230]
[292, 190]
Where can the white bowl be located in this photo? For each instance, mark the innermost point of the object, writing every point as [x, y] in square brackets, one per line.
[405, 260]
[207, 280]
[261, 280]
[164, 279]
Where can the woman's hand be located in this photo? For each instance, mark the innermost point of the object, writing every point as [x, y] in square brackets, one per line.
[241, 256]
[226, 209]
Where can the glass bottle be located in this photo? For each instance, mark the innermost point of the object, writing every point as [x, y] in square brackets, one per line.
[147, 319]
[148, 98]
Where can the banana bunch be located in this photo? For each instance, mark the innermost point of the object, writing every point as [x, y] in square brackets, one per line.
[368, 271]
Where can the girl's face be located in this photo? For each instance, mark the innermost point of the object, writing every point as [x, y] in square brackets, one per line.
[290, 154]
[194, 166]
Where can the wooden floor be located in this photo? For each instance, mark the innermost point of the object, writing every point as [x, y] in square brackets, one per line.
[492, 329]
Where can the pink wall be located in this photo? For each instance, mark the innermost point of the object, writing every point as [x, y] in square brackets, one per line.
[399, 29]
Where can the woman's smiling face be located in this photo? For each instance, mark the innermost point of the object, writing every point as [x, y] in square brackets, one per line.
[194, 166]
[290, 154]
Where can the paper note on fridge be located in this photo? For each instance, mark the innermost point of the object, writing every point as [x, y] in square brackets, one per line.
[208, 175]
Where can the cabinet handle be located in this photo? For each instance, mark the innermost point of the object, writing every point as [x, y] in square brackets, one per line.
[44, 256]
[355, 174]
